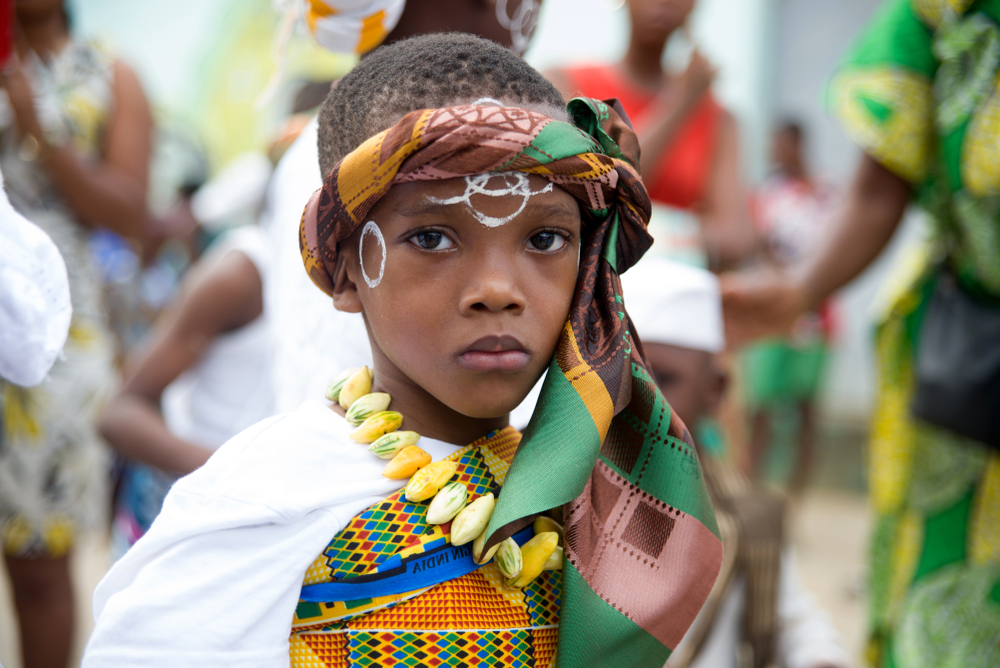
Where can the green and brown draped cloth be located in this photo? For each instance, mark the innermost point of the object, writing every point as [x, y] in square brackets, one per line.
[642, 545]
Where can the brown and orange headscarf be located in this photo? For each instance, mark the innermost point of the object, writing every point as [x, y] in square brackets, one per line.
[642, 546]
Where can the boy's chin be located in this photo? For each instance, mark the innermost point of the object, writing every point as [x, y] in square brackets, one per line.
[487, 406]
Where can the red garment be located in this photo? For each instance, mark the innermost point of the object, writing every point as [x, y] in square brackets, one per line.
[686, 165]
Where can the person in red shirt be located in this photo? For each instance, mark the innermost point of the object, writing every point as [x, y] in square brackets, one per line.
[690, 143]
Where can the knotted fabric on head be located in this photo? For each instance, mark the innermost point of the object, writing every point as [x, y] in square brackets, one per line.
[642, 547]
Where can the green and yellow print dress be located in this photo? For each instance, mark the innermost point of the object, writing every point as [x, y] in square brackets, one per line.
[920, 93]
[52, 462]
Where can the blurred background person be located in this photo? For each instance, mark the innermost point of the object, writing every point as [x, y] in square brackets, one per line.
[203, 374]
[918, 94]
[690, 143]
[202, 378]
[783, 375]
[759, 613]
[75, 149]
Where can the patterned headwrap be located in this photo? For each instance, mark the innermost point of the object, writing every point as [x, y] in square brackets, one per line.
[642, 546]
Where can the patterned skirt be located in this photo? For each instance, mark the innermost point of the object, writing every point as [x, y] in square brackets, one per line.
[935, 552]
[53, 463]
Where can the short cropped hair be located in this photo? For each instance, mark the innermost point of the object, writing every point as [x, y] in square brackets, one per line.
[426, 72]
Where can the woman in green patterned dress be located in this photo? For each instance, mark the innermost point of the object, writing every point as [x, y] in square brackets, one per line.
[920, 94]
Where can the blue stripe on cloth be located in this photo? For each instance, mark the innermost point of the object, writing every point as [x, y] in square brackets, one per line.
[417, 572]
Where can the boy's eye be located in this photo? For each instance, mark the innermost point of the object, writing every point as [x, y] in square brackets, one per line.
[547, 241]
[431, 240]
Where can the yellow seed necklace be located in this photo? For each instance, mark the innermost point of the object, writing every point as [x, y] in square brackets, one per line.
[378, 427]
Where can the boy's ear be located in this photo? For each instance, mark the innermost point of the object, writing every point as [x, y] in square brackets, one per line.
[345, 290]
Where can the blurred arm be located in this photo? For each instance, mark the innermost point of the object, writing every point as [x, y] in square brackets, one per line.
[669, 111]
[112, 192]
[861, 227]
[223, 297]
[726, 231]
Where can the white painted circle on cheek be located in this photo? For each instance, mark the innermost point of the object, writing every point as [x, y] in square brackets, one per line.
[372, 229]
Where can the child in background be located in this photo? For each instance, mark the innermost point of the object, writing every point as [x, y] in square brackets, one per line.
[481, 242]
[787, 372]
[759, 608]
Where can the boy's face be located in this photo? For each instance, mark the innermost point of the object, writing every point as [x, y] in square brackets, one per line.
[689, 379]
[476, 284]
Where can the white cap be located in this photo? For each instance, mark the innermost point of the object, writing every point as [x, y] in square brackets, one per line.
[674, 304]
[35, 308]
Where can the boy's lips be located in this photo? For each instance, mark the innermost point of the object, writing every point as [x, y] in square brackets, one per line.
[495, 353]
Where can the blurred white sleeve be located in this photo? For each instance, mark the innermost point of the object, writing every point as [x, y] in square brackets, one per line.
[34, 298]
[806, 638]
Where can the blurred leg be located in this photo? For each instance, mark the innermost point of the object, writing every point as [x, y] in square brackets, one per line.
[43, 598]
[760, 438]
[807, 448]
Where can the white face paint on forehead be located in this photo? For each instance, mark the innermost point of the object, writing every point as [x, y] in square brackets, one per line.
[489, 100]
[372, 229]
[515, 184]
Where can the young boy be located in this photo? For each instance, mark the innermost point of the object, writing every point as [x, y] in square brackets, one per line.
[481, 243]
[759, 610]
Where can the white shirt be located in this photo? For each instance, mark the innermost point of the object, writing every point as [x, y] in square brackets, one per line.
[215, 581]
[229, 388]
[313, 342]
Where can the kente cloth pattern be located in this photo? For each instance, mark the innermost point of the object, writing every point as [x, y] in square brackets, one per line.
[642, 545]
[470, 620]
[351, 26]
[920, 93]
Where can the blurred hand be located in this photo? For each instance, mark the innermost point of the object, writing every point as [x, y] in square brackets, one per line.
[22, 98]
[759, 305]
[697, 77]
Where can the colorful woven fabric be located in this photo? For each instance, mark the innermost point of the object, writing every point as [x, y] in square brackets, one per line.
[642, 546]
[920, 93]
[471, 620]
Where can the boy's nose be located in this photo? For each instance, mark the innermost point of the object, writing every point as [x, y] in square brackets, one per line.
[493, 290]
